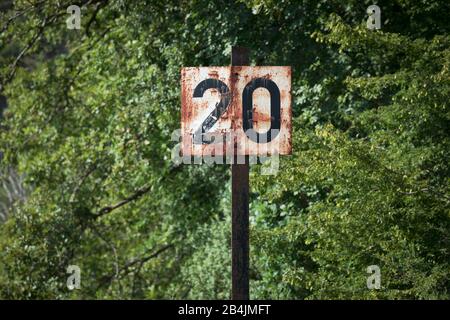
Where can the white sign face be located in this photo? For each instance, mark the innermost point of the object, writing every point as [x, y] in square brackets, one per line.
[238, 110]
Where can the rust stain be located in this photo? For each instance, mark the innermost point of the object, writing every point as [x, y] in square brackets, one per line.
[261, 116]
[213, 74]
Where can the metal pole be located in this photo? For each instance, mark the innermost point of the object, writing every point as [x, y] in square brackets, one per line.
[239, 213]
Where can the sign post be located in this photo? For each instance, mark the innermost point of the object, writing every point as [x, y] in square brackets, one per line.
[240, 211]
[234, 115]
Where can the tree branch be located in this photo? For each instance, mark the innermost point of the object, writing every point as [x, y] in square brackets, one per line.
[81, 182]
[139, 193]
[93, 18]
[126, 269]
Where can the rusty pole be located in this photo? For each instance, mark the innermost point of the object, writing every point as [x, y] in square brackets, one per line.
[239, 213]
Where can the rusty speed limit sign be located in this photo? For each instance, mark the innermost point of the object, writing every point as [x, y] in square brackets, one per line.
[240, 110]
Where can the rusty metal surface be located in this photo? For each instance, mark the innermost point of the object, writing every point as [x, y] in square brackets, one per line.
[198, 112]
[240, 245]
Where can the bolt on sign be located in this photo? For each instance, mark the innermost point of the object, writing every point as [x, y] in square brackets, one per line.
[236, 110]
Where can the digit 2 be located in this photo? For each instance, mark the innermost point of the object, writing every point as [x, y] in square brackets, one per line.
[219, 109]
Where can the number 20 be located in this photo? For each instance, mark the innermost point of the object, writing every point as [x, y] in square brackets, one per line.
[247, 109]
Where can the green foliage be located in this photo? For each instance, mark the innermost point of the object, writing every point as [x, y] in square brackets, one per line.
[382, 174]
[206, 274]
[89, 125]
[12, 193]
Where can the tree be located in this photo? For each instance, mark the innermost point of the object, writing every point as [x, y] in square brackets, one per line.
[89, 124]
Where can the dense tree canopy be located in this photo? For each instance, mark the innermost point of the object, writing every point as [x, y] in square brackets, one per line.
[89, 127]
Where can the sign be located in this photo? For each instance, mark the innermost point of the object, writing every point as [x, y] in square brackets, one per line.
[236, 110]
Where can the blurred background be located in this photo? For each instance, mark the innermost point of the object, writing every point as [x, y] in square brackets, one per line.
[86, 173]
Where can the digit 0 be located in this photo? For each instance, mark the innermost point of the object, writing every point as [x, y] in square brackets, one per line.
[247, 110]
